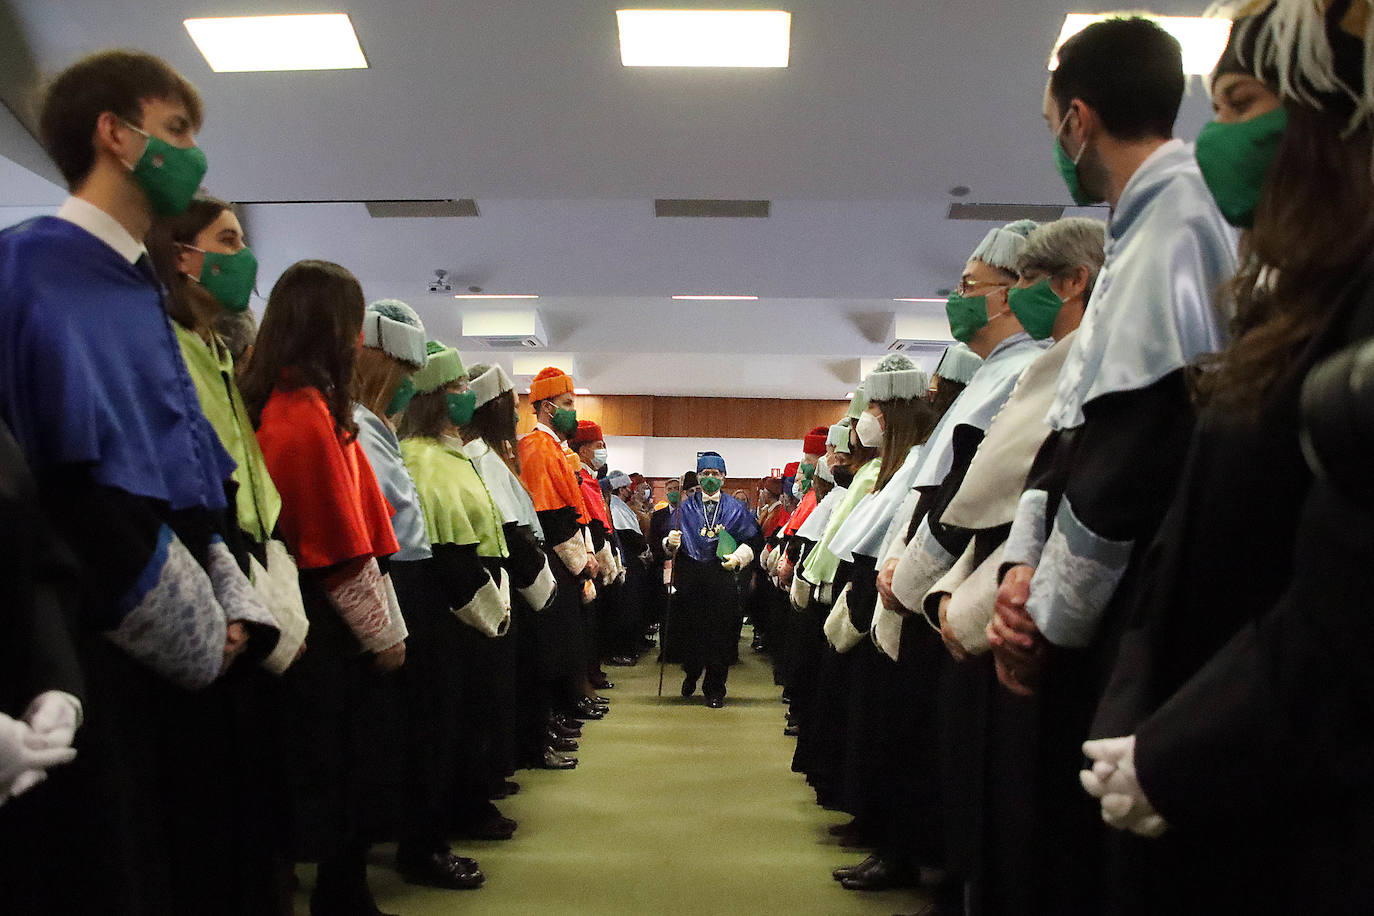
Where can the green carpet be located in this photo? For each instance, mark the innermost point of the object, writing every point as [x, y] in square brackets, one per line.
[674, 808]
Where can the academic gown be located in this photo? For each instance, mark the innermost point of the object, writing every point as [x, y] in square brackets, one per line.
[708, 599]
[466, 532]
[821, 744]
[533, 587]
[636, 591]
[427, 696]
[1198, 591]
[133, 476]
[343, 768]
[562, 638]
[1088, 513]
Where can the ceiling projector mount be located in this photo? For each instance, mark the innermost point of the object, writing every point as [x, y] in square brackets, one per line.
[441, 282]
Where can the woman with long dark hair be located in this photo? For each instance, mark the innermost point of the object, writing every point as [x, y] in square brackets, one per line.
[338, 527]
[1238, 741]
[896, 421]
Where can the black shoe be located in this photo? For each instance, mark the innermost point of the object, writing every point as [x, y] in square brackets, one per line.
[850, 871]
[442, 870]
[586, 709]
[622, 661]
[715, 702]
[494, 827]
[341, 901]
[564, 731]
[881, 876]
[562, 745]
[504, 789]
[570, 722]
[791, 731]
[689, 686]
[598, 700]
[556, 761]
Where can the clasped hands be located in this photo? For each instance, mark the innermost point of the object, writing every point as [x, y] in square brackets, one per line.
[1113, 781]
[1018, 649]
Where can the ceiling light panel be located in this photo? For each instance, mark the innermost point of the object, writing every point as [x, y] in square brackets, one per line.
[1203, 38]
[704, 38]
[709, 298]
[239, 44]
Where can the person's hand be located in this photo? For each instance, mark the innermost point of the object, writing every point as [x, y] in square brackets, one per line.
[889, 599]
[1017, 646]
[390, 659]
[235, 641]
[952, 643]
[1112, 780]
[674, 539]
[24, 757]
[1018, 665]
[592, 567]
[54, 717]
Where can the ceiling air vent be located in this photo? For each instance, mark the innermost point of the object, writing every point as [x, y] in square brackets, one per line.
[1006, 213]
[421, 209]
[506, 330]
[713, 209]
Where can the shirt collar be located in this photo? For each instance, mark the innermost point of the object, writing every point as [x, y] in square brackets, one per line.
[544, 429]
[103, 226]
[712, 499]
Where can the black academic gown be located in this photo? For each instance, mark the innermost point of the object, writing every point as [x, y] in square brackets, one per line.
[1222, 560]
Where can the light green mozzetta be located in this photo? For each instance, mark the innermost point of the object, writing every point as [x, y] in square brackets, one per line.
[257, 502]
[458, 509]
[820, 567]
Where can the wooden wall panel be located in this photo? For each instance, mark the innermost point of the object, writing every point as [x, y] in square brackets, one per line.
[700, 418]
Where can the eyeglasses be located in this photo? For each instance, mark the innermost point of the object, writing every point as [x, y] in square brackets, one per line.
[967, 286]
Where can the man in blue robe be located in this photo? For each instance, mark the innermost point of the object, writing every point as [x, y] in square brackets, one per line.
[715, 537]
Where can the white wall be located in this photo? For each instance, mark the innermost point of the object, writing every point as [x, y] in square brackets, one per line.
[662, 457]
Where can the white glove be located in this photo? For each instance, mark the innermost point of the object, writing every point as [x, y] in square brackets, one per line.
[673, 540]
[1112, 780]
[743, 556]
[54, 716]
[24, 758]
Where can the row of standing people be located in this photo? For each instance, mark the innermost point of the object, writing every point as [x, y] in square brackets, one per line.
[1091, 639]
[251, 625]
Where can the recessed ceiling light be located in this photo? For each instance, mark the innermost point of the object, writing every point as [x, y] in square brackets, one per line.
[495, 296]
[1203, 37]
[699, 298]
[582, 391]
[238, 44]
[704, 38]
[918, 300]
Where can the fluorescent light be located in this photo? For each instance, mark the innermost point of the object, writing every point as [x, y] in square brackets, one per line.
[920, 300]
[848, 395]
[495, 296]
[1203, 37]
[237, 44]
[582, 391]
[696, 298]
[704, 38]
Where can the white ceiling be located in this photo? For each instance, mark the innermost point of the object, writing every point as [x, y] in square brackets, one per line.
[524, 106]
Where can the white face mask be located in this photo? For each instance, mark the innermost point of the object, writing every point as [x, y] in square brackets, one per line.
[599, 458]
[869, 429]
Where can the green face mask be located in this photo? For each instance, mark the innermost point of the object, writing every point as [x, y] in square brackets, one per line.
[564, 421]
[461, 406]
[401, 399]
[1068, 169]
[966, 315]
[169, 175]
[230, 278]
[1234, 158]
[711, 485]
[1035, 307]
[674, 497]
